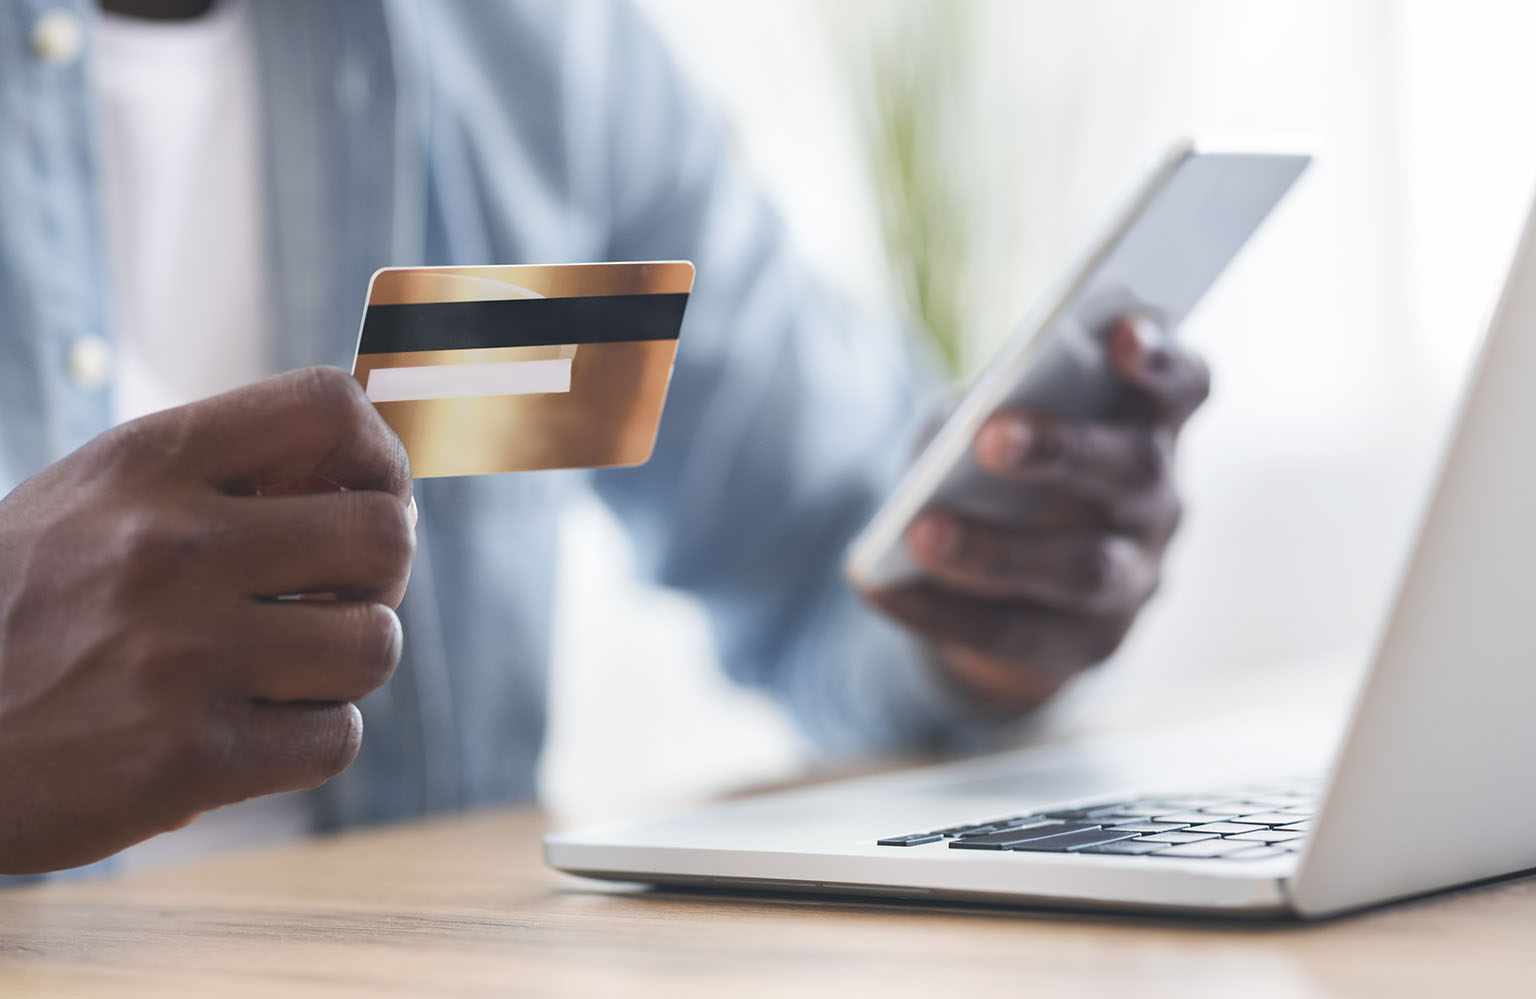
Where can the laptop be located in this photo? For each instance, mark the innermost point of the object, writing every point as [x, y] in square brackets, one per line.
[1430, 786]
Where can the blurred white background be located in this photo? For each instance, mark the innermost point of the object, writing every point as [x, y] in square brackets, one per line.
[1338, 340]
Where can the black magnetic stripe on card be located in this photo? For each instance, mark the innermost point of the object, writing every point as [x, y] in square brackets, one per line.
[521, 322]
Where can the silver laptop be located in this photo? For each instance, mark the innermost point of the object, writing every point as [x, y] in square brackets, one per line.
[1431, 785]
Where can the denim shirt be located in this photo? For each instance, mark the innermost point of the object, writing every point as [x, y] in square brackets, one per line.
[469, 132]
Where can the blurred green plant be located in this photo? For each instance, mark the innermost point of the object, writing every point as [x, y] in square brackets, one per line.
[907, 65]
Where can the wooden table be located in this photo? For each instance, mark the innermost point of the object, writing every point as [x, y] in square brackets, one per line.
[464, 906]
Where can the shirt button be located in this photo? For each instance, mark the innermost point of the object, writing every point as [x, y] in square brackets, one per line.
[89, 363]
[58, 37]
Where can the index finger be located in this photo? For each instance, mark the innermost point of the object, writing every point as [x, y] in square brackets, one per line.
[1170, 381]
[316, 421]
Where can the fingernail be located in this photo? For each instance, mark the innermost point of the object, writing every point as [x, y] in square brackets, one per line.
[1151, 344]
[1005, 443]
[934, 538]
[410, 510]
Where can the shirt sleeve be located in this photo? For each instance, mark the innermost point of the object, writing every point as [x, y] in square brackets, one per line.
[788, 419]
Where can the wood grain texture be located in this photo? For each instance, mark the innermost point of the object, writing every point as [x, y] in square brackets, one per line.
[463, 906]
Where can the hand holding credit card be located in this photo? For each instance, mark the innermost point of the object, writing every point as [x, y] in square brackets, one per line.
[483, 370]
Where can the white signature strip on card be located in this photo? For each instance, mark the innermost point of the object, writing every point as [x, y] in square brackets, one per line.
[462, 381]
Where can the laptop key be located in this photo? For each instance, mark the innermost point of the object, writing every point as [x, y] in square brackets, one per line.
[1011, 838]
[999, 827]
[1184, 818]
[1190, 802]
[1267, 836]
[1261, 853]
[1296, 827]
[1150, 827]
[1084, 811]
[1125, 848]
[970, 829]
[916, 839]
[1207, 850]
[1177, 837]
[1223, 828]
[1072, 841]
[1231, 808]
[1263, 805]
[1273, 818]
[1117, 818]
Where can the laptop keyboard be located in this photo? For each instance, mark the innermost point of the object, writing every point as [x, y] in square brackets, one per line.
[1250, 823]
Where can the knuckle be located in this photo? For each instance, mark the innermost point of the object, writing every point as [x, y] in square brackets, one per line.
[1152, 514]
[1102, 567]
[194, 751]
[397, 463]
[137, 443]
[330, 384]
[384, 530]
[1199, 379]
[301, 746]
[333, 393]
[1053, 441]
[150, 548]
[1151, 459]
[1172, 520]
[208, 745]
[337, 737]
[125, 443]
[315, 742]
[380, 643]
[150, 653]
[340, 401]
[1094, 565]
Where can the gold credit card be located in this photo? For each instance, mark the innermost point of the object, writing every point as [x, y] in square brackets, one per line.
[511, 369]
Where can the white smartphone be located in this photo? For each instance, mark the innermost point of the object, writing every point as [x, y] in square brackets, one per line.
[1156, 257]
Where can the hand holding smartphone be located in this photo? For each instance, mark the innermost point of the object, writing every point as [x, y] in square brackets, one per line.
[1156, 259]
